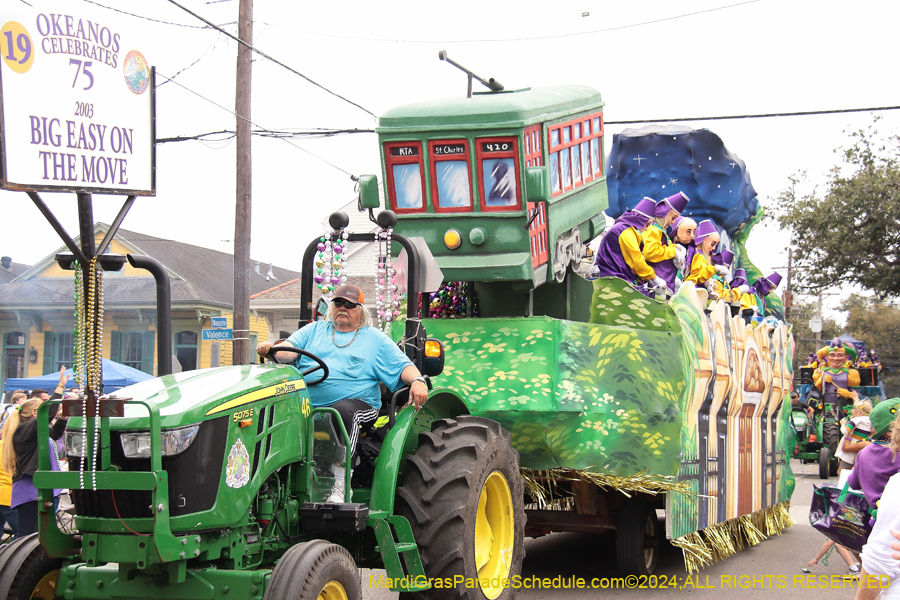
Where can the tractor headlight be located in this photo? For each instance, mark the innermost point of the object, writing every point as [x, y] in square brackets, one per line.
[137, 444]
[174, 441]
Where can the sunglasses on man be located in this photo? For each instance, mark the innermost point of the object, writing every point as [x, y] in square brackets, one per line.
[341, 303]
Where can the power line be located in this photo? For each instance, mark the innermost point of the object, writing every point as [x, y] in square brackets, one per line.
[228, 134]
[277, 62]
[761, 116]
[527, 39]
[142, 17]
[261, 128]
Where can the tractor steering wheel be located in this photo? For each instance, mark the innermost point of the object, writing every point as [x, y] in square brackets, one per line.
[319, 366]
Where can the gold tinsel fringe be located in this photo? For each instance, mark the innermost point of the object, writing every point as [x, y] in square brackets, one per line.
[717, 542]
[543, 486]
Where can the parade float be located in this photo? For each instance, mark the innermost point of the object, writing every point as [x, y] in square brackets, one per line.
[619, 404]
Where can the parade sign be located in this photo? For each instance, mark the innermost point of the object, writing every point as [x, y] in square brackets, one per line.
[77, 102]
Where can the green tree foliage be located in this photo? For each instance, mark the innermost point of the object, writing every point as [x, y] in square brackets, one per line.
[851, 233]
[804, 338]
[877, 323]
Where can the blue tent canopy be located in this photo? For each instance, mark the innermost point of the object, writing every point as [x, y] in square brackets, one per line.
[115, 376]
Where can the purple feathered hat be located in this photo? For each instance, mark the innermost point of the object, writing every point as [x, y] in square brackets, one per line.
[725, 257]
[740, 278]
[704, 229]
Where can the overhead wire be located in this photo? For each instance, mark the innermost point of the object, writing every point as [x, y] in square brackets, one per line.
[261, 128]
[532, 38]
[759, 116]
[274, 60]
[124, 12]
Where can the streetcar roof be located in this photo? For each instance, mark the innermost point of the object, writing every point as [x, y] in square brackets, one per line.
[504, 109]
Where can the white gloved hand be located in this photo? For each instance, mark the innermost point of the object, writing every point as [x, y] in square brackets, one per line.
[722, 270]
[658, 283]
[677, 284]
[744, 289]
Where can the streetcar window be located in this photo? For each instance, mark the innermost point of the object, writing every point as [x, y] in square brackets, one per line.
[408, 186]
[575, 153]
[595, 155]
[576, 163]
[453, 184]
[554, 172]
[498, 172]
[403, 165]
[500, 182]
[585, 158]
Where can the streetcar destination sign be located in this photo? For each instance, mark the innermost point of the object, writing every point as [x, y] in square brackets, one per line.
[77, 97]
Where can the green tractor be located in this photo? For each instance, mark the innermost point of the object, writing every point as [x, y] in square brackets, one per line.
[210, 484]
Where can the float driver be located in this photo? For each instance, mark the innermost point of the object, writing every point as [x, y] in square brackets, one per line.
[359, 357]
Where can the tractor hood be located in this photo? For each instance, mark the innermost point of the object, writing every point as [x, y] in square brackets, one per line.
[194, 396]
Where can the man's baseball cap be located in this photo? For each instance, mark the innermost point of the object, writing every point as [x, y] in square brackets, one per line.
[350, 292]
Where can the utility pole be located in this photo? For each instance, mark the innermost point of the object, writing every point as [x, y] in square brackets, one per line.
[819, 317]
[244, 198]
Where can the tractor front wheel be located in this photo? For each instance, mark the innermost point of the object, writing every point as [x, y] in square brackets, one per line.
[316, 570]
[463, 496]
[26, 572]
[824, 462]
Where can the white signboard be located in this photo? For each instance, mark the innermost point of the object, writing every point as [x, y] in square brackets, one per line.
[77, 102]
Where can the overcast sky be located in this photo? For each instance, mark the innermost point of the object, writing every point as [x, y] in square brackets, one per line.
[649, 60]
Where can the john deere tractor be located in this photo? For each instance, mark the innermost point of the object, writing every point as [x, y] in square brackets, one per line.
[210, 484]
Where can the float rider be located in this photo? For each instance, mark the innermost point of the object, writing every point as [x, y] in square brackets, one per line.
[620, 253]
[762, 288]
[699, 264]
[661, 253]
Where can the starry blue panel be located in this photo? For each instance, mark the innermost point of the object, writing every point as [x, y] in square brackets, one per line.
[660, 161]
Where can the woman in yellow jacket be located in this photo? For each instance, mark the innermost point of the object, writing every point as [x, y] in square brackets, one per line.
[699, 262]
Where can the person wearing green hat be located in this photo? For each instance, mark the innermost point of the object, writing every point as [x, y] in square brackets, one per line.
[878, 461]
[878, 564]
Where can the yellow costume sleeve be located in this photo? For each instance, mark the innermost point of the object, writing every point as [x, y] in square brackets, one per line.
[817, 378]
[630, 244]
[853, 378]
[654, 249]
[747, 301]
[701, 270]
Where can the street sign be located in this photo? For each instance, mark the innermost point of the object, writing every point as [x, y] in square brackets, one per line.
[218, 322]
[218, 334]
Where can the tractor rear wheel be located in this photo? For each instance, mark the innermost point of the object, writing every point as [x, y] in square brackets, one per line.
[637, 538]
[314, 570]
[26, 572]
[463, 496]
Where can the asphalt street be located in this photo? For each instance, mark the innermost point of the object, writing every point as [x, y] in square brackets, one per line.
[770, 569]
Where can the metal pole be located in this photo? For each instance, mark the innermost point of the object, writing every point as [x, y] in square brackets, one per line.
[86, 232]
[244, 198]
[819, 316]
[163, 310]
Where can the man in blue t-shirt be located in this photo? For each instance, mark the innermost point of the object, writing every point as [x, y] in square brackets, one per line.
[359, 357]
